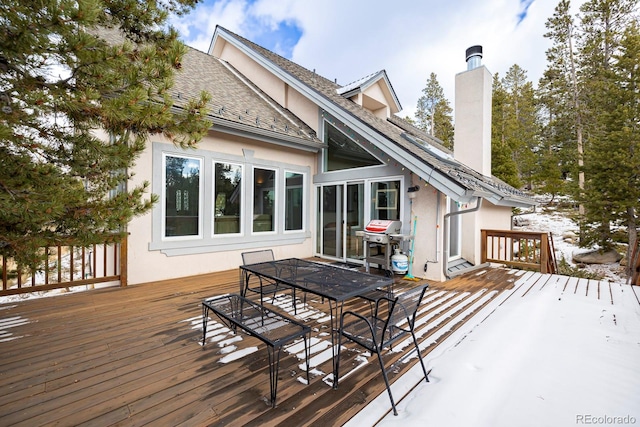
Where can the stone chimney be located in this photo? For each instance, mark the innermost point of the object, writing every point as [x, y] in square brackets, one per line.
[472, 134]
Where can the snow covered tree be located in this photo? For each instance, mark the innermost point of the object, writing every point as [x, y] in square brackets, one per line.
[433, 113]
[76, 111]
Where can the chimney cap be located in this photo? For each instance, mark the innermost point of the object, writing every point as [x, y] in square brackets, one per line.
[474, 51]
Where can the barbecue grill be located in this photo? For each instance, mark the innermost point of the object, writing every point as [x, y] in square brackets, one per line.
[379, 236]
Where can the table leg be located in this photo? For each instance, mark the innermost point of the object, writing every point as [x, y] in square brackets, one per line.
[205, 318]
[244, 282]
[335, 336]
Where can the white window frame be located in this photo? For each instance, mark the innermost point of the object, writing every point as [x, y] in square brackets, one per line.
[207, 241]
[243, 172]
[305, 202]
[163, 232]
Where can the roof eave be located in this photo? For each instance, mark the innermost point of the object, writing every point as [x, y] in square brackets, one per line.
[290, 141]
[393, 92]
[513, 202]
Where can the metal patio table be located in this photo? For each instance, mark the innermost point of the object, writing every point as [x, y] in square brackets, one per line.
[334, 283]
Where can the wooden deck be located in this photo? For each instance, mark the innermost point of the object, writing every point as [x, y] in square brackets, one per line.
[132, 356]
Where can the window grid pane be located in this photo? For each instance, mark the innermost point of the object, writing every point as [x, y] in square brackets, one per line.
[294, 199]
[264, 200]
[182, 177]
[227, 198]
[385, 200]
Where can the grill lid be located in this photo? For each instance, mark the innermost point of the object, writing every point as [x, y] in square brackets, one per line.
[386, 226]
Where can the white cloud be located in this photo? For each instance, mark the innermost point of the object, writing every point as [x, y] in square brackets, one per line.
[346, 40]
[198, 27]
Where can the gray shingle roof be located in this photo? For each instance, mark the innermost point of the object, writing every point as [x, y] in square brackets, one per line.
[235, 99]
[396, 131]
[236, 103]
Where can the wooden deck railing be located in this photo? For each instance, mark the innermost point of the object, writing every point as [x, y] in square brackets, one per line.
[519, 249]
[68, 266]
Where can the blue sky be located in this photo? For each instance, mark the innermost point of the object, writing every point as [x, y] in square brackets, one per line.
[350, 39]
[524, 7]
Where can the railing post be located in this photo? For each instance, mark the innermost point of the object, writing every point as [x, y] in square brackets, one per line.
[544, 253]
[483, 246]
[123, 261]
[5, 275]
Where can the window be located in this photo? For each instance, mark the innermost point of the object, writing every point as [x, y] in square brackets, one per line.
[345, 153]
[227, 190]
[182, 196]
[294, 202]
[214, 201]
[385, 202]
[264, 196]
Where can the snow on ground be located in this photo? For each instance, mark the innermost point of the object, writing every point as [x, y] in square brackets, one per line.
[559, 225]
[50, 293]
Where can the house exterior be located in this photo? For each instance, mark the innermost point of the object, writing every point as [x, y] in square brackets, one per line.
[300, 164]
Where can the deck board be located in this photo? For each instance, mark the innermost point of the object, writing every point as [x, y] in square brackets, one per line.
[133, 356]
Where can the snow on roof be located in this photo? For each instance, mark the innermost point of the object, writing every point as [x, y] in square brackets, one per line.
[360, 82]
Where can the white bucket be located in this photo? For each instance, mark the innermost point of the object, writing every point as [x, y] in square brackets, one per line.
[399, 262]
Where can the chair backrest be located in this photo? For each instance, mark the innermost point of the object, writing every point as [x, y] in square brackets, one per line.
[406, 306]
[255, 257]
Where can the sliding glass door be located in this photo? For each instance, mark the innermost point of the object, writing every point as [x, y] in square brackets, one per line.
[340, 216]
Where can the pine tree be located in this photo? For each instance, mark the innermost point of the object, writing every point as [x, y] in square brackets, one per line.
[503, 164]
[557, 142]
[521, 121]
[433, 113]
[625, 119]
[562, 107]
[76, 111]
[610, 57]
[514, 128]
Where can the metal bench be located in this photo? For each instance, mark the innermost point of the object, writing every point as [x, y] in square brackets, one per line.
[274, 329]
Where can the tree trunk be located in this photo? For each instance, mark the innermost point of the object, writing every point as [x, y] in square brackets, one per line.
[580, 144]
[632, 233]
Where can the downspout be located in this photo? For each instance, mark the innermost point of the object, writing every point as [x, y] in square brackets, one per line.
[437, 225]
[445, 237]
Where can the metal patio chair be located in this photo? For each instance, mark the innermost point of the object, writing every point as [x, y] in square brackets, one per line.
[264, 286]
[384, 327]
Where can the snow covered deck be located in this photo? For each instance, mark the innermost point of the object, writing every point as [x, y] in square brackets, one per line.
[130, 356]
[555, 351]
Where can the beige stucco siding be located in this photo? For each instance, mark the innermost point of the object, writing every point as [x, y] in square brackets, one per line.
[272, 85]
[488, 217]
[147, 264]
[472, 139]
[304, 109]
[268, 82]
[428, 207]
